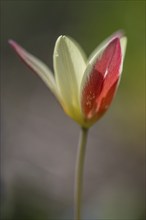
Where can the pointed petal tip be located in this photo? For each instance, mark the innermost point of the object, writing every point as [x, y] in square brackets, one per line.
[61, 37]
[59, 40]
[12, 43]
[16, 46]
[120, 33]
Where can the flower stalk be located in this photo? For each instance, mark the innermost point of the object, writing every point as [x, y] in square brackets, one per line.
[80, 171]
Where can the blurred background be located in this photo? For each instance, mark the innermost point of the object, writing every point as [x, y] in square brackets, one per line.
[39, 142]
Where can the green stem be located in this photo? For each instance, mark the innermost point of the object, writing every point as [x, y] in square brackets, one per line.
[79, 172]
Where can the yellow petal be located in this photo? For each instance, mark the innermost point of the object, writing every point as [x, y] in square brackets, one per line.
[69, 67]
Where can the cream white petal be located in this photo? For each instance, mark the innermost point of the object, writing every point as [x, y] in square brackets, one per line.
[80, 49]
[69, 67]
[123, 42]
[37, 66]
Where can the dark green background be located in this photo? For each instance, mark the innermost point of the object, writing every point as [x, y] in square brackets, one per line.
[39, 141]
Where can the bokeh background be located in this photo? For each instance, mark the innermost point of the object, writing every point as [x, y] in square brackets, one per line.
[39, 142]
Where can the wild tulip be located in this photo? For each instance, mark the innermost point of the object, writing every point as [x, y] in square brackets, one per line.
[84, 87]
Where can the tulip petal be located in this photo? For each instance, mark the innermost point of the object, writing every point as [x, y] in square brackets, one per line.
[104, 70]
[37, 66]
[113, 77]
[69, 67]
[114, 69]
[107, 99]
[91, 91]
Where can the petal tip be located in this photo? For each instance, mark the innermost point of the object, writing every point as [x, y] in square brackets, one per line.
[15, 46]
[60, 38]
[12, 43]
[119, 34]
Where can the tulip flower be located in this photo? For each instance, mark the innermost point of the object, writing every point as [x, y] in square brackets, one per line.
[84, 87]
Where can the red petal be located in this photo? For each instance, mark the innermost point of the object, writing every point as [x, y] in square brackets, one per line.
[109, 65]
[106, 101]
[112, 76]
[90, 93]
[100, 88]
[110, 58]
